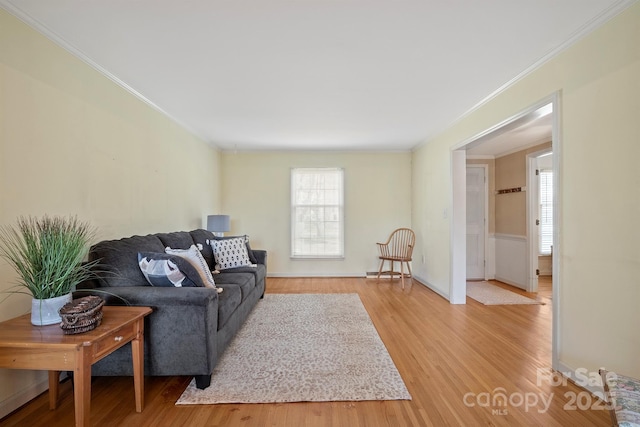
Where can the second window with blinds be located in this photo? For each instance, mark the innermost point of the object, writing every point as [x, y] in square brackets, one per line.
[546, 212]
[317, 213]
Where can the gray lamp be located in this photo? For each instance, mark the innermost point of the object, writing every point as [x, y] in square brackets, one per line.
[218, 224]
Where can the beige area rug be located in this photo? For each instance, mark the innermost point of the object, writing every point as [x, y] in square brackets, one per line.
[303, 348]
[488, 294]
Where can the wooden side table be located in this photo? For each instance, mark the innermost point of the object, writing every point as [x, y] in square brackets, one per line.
[24, 346]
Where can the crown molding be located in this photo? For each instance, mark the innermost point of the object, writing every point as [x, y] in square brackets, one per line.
[60, 41]
[583, 31]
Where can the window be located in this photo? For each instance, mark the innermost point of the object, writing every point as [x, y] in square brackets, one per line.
[546, 212]
[317, 213]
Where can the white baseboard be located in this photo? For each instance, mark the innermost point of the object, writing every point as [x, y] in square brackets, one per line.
[423, 282]
[583, 378]
[315, 275]
[22, 397]
[511, 282]
[385, 274]
[25, 396]
[418, 279]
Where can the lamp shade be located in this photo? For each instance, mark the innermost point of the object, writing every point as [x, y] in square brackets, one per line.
[218, 223]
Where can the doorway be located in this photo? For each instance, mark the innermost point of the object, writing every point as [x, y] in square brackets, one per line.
[549, 106]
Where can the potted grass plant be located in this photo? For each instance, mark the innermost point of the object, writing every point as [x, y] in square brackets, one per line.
[48, 254]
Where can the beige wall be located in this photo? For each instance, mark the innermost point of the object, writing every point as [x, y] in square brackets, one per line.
[600, 104]
[377, 201]
[73, 142]
[511, 208]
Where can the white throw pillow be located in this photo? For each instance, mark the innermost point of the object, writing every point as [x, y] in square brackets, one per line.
[196, 259]
[230, 253]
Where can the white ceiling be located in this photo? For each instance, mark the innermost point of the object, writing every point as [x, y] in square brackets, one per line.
[315, 74]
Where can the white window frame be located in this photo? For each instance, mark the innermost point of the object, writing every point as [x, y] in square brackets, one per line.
[307, 237]
[545, 213]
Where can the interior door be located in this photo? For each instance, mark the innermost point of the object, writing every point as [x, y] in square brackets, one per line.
[476, 196]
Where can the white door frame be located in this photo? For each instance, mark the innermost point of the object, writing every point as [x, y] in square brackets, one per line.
[458, 283]
[533, 230]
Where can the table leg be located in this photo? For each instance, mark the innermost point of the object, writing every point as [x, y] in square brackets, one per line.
[54, 383]
[82, 387]
[137, 356]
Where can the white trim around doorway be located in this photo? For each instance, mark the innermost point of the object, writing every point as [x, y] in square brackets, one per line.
[457, 286]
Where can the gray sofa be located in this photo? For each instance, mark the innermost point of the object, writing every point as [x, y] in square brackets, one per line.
[190, 327]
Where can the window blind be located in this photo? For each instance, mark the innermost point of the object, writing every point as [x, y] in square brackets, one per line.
[317, 213]
[546, 212]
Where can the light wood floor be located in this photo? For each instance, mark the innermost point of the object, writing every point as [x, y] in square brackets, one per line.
[444, 352]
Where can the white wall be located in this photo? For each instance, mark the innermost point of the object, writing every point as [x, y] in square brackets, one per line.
[600, 130]
[377, 201]
[511, 259]
[73, 142]
[431, 216]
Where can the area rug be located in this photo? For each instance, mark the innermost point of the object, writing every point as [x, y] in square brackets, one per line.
[303, 348]
[488, 294]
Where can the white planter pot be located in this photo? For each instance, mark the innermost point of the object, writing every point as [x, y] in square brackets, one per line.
[46, 311]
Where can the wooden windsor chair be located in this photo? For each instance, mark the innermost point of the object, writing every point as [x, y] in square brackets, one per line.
[398, 248]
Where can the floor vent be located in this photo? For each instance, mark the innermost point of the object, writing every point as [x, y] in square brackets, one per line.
[374, 274]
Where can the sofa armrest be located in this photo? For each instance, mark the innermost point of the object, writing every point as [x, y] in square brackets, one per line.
[180, 334]
[152, 296]
[261, 256]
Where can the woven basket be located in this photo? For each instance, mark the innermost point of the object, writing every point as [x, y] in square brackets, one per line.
[81, 315]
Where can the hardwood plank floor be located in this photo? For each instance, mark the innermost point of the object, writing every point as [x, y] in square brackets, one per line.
[451, 357]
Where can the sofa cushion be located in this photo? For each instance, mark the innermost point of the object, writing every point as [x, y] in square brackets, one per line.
[176, 240]
[252, 257]
[166, 270]
[259, 272]
[119, 259]
[194, 256]
[246, 281]
[202, 238]
[228, 302]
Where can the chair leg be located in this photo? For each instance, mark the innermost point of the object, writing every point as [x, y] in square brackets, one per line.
[402, 273]
[410, 272]
[380, 269]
